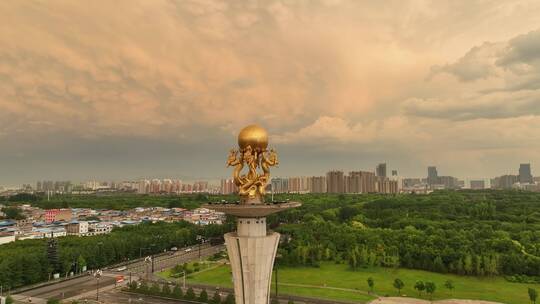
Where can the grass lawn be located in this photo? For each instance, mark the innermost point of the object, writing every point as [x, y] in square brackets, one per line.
[203, 266]
[339, 276]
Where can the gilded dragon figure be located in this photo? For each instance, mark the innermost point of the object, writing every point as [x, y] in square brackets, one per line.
[251, 186]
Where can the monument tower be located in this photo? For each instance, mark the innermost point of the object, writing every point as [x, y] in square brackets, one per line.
[252, 249]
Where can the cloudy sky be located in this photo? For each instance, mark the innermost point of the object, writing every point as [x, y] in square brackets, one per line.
[127, 89]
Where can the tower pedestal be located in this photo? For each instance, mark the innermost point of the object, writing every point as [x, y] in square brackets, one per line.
[252, 252]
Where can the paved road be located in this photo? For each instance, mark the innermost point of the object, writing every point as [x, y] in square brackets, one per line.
[70, 288]
[121, 297]
[87, 284]
[172, 259]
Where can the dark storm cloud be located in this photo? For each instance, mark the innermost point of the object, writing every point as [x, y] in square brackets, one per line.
[489, 106]
[523, 49]
[477, 63]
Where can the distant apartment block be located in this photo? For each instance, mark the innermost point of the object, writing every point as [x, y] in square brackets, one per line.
[228, 186]
[380, 170]
[317, 184]
[335, 182]
[478, 184]
[362, 182]
[525, 175]
[504, 181]
[385, 185]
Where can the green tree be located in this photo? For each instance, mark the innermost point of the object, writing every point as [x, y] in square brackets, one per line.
[132, 286]
[13, 213]
[166, 290]
[143, 287]
[430, 289]
[438, 265]
[216, 299]
[190, 294]
[177, 292]
[9, 300]
[155, 289]
[371, 284]
[419, 286]
[398, 284]
[449, 285]
[203, 296]
[53, 301]
[468, 264]
[177, 269]
[81, 263]
[290, 301]
[533, 294]
[229, 299]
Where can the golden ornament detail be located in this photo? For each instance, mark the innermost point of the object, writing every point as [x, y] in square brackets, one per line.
[252, 154]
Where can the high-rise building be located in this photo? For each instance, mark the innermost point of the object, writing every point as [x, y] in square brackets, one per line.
[381, 170]
[317, 184]
[294, 185]
[385, 185]
[228, 186]
[361, 182]
[200, 186]
[478, 184]
[279, 185]
[432, 178]
[398, 179]
[504, 181]
[143, 186]
[525, 176]
[448, 182]
[335, 182]
[167, 186]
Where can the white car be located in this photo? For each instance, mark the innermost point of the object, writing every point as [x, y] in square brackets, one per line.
[187, 250]
[121, 268]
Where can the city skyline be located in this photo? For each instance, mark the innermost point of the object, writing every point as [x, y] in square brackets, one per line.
[216, 180]
[337, 84]
[359, 181]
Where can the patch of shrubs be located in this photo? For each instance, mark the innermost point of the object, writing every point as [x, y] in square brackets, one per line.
[176, 292]
[521, 278]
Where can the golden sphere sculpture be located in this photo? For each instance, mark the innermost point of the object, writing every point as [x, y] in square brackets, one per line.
[254, 136]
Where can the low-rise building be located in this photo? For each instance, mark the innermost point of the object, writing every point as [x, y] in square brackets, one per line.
[57, 215]
[6, 237]
[79, 228]
[99, 228]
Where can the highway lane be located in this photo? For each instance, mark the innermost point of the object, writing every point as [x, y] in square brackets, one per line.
[121, 297]
[83, 285]
[69, 288]
[170, 260]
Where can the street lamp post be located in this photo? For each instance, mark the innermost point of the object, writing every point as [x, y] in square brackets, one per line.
[147, 260]
[97, 275]
[201, 239]
[276, 281]
[184, 279]
[152, 256]
[276, 264]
